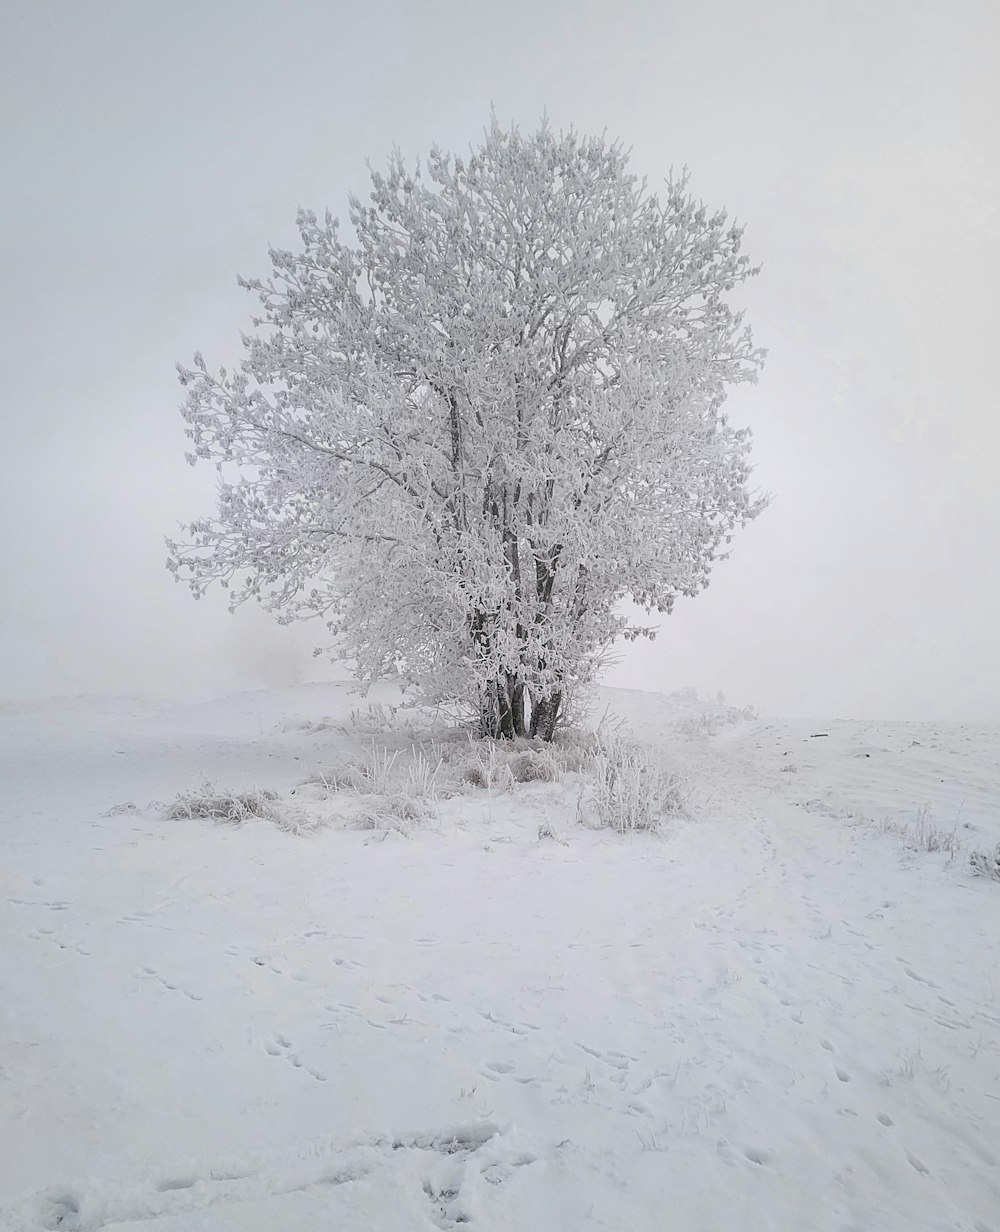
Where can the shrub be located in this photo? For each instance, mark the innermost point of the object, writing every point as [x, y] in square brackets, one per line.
[926, 836]
[421, 776]
[373, 776]
[573, 748]
[499, 765]
[632, 789]
[920, 834]
[234, 807]
[394, 812]
[986, 863]
[487, 767]
[713, 715]
[533, 766]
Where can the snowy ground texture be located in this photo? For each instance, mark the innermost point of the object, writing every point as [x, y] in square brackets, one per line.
[783, 1012]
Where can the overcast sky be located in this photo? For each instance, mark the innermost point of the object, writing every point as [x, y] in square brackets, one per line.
[151, 152]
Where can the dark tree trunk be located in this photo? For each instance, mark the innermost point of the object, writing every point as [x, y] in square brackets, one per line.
[545, 716]
[501, 712]
[516, 690]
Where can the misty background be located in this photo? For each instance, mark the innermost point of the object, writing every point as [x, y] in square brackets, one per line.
[151, 152]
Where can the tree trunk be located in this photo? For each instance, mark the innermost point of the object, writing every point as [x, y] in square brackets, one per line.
[545, 715]
[501, 709]
[516, 689]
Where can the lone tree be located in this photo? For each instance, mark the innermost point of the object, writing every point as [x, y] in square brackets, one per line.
[464, 438]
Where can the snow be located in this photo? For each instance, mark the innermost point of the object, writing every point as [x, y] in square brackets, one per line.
[782, 1012]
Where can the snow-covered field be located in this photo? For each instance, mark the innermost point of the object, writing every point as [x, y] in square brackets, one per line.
[782, 1013]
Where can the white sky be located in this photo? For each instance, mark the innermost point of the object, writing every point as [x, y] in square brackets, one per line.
[151, 151]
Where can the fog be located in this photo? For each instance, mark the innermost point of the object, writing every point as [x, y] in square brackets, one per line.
[152, 151]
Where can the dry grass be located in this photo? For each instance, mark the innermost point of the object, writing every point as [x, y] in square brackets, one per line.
[710, 721]
[230, 806]
[237, 807]
[632, 789]
[374, 775]
[920, 834]
[499, 764]
[986, 863]
[398, 812]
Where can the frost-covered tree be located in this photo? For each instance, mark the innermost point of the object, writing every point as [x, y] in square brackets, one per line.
[466, 436]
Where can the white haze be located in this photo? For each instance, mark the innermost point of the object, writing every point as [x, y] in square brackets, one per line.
[152, 151]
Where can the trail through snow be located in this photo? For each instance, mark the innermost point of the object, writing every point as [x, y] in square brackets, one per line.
[777, 1015]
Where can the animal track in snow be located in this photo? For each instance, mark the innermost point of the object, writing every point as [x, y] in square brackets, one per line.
[48, 934]
[60, 1210]
[919, 978]
[496, 1174]
[731, 1156]
[444, 1183]
[617, 1060]
[186, 1194]
[176, 1182]
[281, 1046]
[191, 996]
[916, 1163]
[513, 1027]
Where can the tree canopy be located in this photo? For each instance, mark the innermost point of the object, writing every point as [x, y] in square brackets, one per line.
[465, 435]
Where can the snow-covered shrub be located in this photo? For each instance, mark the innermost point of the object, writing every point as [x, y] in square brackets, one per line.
[422, 775]
[379, 719]
[533, 766]
[234, 807]
[373, 775]
[986, 863]
[499, 765]
[397, 811]
[573, 748]
[127, 809]
[926, 836]
[350, 778]
[632, 789]
[712, 715]
[378, 769]
[919, 834]
[487, 767]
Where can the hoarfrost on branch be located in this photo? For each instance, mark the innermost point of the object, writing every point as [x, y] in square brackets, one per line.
[465, 437]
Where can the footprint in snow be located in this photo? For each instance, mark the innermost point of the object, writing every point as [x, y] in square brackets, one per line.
[47, 934]
[617, 1060]
[176, 1182]
[280, 1046]
[729, 1155]
[191, 996]
[60, 1210]
[921, 979]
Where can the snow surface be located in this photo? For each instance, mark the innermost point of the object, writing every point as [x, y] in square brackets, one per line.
[782, 1013]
